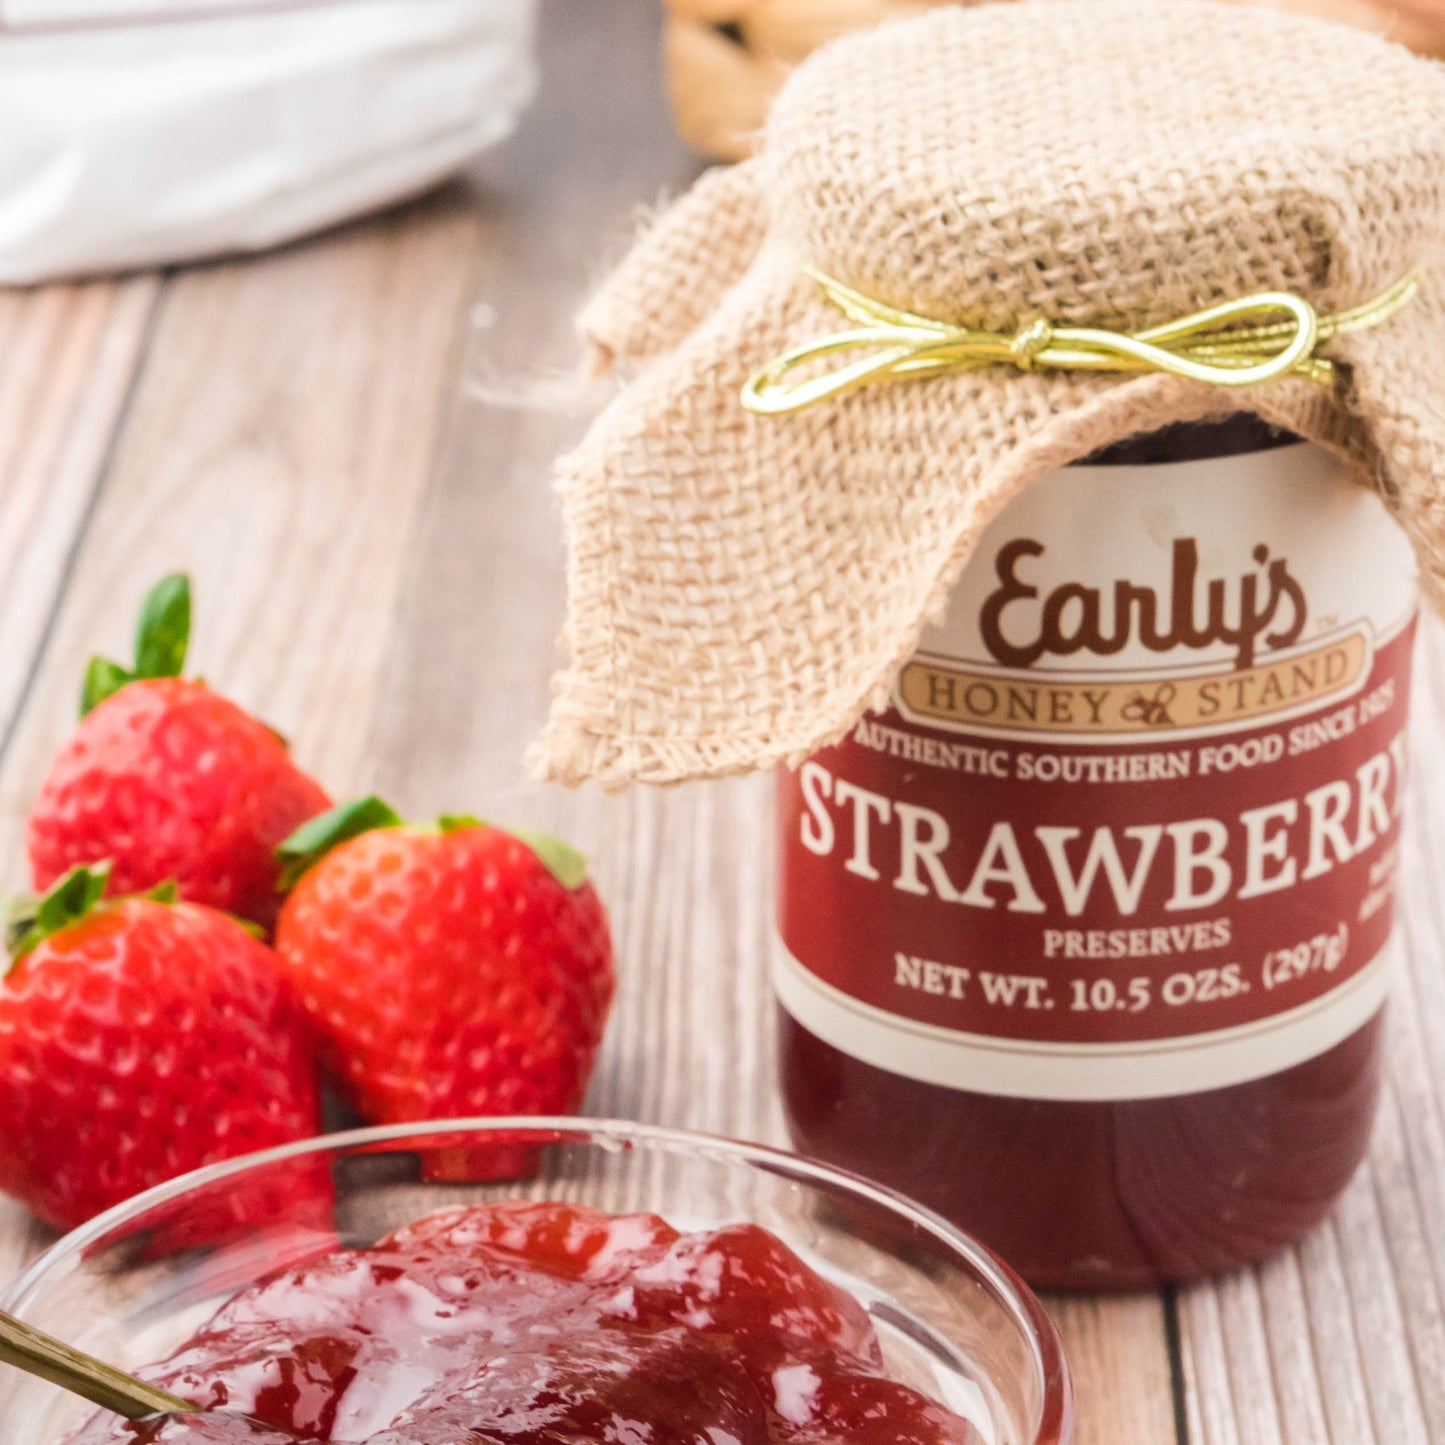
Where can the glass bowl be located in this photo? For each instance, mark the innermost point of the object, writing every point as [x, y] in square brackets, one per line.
[135, 1283]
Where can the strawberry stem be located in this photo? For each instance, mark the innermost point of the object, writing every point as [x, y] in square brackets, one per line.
[164, 632]
[313, 840]
[162, 638]
[30, 920]
[457, 823]
[102, 677]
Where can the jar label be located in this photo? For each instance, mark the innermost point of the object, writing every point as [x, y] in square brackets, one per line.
[1129, 826]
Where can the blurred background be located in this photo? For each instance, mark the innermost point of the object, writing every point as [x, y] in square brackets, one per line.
[726, 58]
[145, 132]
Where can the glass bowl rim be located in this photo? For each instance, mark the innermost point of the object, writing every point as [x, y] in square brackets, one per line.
[1019, 1301]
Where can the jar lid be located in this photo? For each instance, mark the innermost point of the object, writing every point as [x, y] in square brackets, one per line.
[953, 221]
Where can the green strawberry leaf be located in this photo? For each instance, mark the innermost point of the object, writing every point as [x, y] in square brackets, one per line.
[161, 641]
[164, 633]
[561, 860]
[458, 823]
[313, 840]
[30, 920]
[102, 678]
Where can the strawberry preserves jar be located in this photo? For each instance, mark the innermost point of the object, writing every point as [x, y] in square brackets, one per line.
[1084, 941]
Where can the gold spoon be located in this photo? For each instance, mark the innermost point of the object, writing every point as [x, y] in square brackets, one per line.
[38, 1354]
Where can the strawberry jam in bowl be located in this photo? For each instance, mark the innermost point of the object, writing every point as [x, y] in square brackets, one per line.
[647, 1287]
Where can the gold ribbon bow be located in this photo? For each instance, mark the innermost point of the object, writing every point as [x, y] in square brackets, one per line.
[1235, 344]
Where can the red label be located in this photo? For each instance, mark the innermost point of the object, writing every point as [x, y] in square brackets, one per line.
[974, 891]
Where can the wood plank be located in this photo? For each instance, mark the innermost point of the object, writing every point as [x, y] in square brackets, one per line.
[68, 355]
[278, 446]
[1118, 1349]
[1342, 1339]
[68, 358]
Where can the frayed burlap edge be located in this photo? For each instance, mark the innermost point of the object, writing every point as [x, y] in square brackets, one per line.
[570, 752]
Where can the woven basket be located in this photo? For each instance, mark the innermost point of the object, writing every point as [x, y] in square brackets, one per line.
[727, 58]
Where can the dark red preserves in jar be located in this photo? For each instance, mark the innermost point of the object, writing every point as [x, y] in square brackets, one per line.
[1084, 941]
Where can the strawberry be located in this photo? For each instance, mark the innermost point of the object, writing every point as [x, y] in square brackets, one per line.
[141, 1038]
[451, 970]
[169, 780]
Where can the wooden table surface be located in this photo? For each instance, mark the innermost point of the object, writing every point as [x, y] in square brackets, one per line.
[348, 444]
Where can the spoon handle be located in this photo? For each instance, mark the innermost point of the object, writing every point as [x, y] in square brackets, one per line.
[30, 1350]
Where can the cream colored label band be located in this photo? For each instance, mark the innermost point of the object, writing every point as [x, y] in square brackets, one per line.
[1033, 1069]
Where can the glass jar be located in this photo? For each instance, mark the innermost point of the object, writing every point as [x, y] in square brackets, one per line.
[1084, 940]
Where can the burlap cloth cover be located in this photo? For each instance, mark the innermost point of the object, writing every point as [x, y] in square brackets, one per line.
[742, 588]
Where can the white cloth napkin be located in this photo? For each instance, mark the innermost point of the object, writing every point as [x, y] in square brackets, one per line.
[137, 132]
